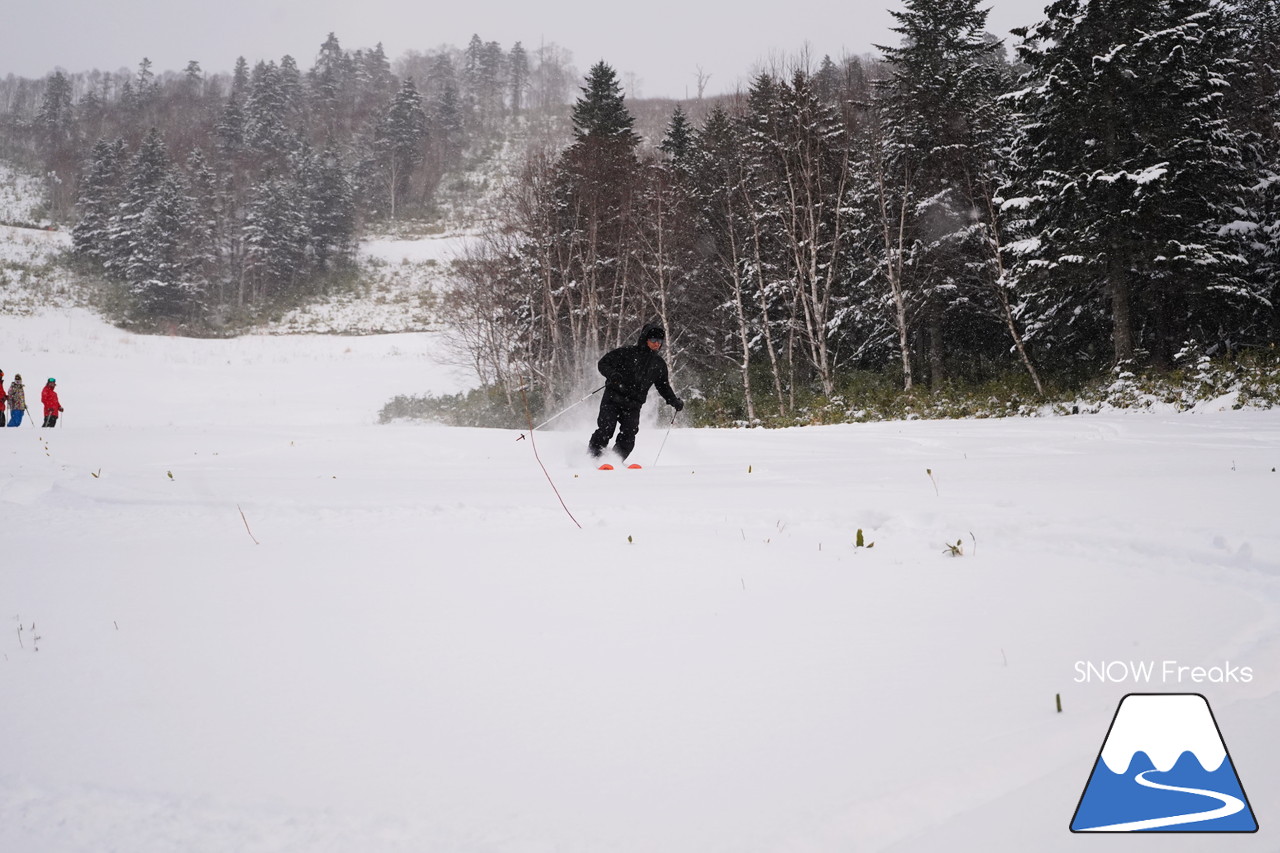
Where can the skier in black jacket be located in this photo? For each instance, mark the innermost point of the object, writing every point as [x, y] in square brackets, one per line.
[629, 373]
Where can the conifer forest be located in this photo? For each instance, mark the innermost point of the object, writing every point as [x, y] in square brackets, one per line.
[1099, 193]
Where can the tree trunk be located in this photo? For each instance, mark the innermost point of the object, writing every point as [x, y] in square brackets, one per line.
[763, 298]
[894, 251]
[1002, 295]
[744, 338]
[937, 365]
[1121, 321]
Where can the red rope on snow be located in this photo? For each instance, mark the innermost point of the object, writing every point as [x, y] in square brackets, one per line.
[547, 473]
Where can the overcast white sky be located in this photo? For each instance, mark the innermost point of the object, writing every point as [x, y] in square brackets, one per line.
[660, 42]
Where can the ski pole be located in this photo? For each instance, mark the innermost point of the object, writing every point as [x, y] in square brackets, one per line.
[565, 409]
[664, 439]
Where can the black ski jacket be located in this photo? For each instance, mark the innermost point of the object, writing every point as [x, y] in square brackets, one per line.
[629, 372]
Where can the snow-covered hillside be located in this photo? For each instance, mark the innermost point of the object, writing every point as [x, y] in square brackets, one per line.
[238, 615]
[29, 279]
[400, 282]
[397, 289]
[20, 197]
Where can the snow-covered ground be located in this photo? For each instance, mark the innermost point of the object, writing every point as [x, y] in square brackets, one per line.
[29, 280]
[20, 197]
[265, 623]
[400, 281]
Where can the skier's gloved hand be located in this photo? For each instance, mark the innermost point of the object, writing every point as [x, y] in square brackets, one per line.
[678, 405]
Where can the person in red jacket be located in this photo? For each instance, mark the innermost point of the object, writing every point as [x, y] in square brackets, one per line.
[52, 408]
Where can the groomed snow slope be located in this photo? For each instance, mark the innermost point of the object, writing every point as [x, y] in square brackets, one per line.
[422, 651]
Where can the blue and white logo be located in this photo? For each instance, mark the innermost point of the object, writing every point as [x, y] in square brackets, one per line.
[1164, 768]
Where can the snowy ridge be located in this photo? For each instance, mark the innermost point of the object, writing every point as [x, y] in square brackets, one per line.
[1164, 727]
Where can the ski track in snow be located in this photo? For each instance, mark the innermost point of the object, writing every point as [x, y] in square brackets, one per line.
[1230, 805]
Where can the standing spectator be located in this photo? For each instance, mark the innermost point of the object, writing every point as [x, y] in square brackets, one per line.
[3, 398]
[17, 401]
[52, 408]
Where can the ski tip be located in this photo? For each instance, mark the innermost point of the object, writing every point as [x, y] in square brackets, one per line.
[633, 465]
[605, 467]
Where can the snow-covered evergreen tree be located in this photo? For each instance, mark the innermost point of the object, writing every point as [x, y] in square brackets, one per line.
[598, 176]
[493, 84]
[147, 171]
[56, 132]
[331, 206]
[229, 134]
[56, 120]
[159, 272]
[292, 92]
[266, 130]
[666, 242]
[679, 139]
[240, 80]
[826, 81]
[99, 199]
[736, 327]
[806, 150]
[275, 238]
[518, 77]
[204, 230]
[376, 83]
[330, 85]
[600, 114]
[939, 124]
[1129, 171]
[398, 143]
[1255, 101]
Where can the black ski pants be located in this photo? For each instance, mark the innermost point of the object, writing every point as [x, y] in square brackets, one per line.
[623, 415]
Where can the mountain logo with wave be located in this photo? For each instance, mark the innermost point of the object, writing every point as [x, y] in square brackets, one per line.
[1164, 768]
